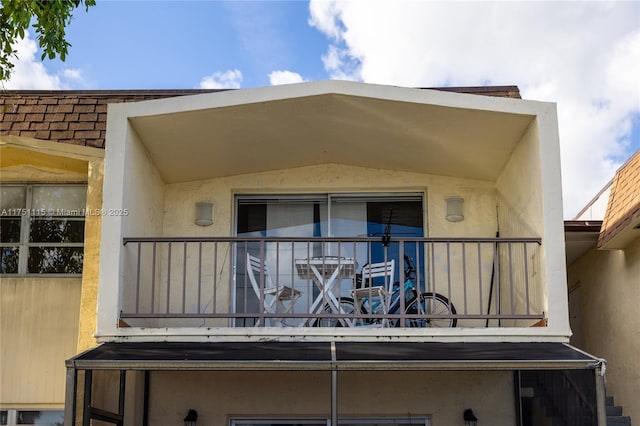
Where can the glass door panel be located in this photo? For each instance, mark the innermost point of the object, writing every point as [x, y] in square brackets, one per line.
[339, 215]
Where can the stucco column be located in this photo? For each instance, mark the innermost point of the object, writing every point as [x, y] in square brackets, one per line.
[91, 266]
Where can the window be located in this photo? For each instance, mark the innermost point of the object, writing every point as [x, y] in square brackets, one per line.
[19, 417]
[332, 215]
[42, 229]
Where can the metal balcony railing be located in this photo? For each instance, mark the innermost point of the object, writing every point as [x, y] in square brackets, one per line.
[316, 282]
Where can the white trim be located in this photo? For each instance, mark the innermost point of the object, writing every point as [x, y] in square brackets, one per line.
[309, 334]
[249, 96]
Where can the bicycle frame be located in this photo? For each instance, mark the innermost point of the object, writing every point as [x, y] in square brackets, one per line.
[417, 304]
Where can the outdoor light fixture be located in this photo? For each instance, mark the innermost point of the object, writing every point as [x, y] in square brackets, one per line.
[454, 209]
[204, 213]
[469, 418]
[192, 418]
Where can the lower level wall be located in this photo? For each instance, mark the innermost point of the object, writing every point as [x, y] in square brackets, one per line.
[38, 332]
[220, 396]
[608, 284]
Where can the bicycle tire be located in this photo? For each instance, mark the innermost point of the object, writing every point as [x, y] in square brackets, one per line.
[348, 307]
[432, 303]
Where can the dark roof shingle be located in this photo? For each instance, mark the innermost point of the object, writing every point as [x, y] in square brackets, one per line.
[79, 117]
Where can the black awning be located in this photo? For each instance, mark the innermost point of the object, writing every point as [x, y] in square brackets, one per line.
[274, 355]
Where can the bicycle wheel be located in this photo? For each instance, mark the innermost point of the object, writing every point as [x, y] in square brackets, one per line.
[347, 306]
[430, 304]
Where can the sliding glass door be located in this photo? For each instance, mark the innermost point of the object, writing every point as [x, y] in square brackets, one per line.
[322, 215]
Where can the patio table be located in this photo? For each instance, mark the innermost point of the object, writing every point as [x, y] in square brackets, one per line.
[326, 272]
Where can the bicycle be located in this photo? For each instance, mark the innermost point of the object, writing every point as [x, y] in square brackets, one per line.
[422, 304]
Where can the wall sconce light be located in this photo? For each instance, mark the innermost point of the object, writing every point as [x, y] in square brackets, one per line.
[455, 211]
[192, 418]
[204, 213]
[469, 418]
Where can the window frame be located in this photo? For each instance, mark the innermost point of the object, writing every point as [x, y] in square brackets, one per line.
[26, 214]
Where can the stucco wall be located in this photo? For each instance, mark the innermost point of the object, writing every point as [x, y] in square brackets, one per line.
[609, 283]
[91, 265]
[520, 214]
[134, 208]
[143, 192]
[42, 323]
[38, 332]
[479, 207]
[177, 212]
[444, 396]
[530, 204]
[480, 217]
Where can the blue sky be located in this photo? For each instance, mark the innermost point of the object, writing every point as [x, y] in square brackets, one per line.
[583, 55]
[152, 45]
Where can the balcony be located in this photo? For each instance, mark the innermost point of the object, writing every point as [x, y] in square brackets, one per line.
[316, 160]
[310, 282]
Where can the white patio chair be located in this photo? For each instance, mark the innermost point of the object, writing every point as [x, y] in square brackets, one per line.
[278, 298]
[377, 297]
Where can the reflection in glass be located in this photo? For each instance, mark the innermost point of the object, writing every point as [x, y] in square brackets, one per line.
[10, 229]
[50, 418]
[342, 215]
[46, 229]
[55, 260]
[12, 197]
[9, 260]
[60, 200]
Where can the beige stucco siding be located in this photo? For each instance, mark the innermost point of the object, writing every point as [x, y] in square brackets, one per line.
[218, 396]
[480, 215]
[38, 332]
[520, 214]
[609, 282]
[90, 268]
[46, 319]
[176, 216]
[480, 212]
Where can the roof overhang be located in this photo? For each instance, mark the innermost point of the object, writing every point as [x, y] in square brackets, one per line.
[271, 128]
[580, 236]
[21, 157]
[625, 234]
[342, 356]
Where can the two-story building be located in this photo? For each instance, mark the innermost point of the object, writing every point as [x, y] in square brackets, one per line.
[252, 262]
[332, 253]
[51, 170]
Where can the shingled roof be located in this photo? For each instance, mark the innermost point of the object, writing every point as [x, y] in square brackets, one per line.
[75, 117]
[80, 117]
[622, 220]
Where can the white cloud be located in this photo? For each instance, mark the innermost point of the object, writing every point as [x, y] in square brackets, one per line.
[230, 79]
[30, 73]
[585, 56]
[325, 16]
[72, 74]
[284, 77]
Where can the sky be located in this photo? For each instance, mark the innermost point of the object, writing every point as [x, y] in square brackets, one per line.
[582, 55]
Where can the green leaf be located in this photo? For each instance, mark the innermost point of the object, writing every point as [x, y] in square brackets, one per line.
[50, 19]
